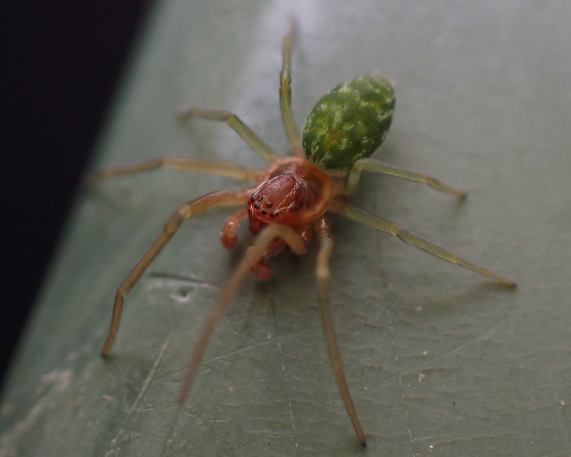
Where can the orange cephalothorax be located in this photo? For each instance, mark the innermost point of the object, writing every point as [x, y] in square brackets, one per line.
[275, 198]
[295, 192]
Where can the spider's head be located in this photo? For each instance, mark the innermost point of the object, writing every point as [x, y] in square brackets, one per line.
[279, 198]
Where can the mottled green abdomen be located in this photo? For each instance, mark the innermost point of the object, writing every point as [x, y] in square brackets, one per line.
[349, 123]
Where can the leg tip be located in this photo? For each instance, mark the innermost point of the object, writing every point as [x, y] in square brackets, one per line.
[507, 283]
[183, 392]
[229, 242]
[361, 437]
[183, 114]
[292, 25]
[105, 351]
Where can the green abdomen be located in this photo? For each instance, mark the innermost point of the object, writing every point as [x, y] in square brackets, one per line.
[349, 123]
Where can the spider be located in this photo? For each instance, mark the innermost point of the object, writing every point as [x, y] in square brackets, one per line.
[287, 203]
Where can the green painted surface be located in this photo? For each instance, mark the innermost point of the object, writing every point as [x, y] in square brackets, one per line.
[440, 362]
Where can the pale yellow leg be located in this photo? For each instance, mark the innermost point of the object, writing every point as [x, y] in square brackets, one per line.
[181, 164]
[250, 259]
[407, 236]
[285, 93]
[236, 124]
[186, 211]
[374, 165]
[323, 279]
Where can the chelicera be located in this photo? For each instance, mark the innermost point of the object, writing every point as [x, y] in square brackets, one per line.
[287, 204]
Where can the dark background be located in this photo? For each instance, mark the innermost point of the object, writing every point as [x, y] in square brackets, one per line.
[60, 67]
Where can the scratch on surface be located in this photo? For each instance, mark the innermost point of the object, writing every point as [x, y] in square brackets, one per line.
[428, 360]
[113, 449]
[181, 278]
[563, 428]
[168, 439]
[251, 346]
[51, 384]
[290, 408]
[467, 439]
[401, 385]
[482, 336]
[279, 338]
[150, 376]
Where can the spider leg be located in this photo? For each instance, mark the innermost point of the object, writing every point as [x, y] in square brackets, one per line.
[252, 256]
[285, 92]
[229, 234]
[229, 170]
[323, 279]
[407, 236]
[361, 165]
[186, 211]
[236, 124]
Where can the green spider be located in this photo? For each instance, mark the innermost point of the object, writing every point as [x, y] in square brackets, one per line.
[287, 203]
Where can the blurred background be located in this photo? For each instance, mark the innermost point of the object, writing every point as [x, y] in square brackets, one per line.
[61, 64]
